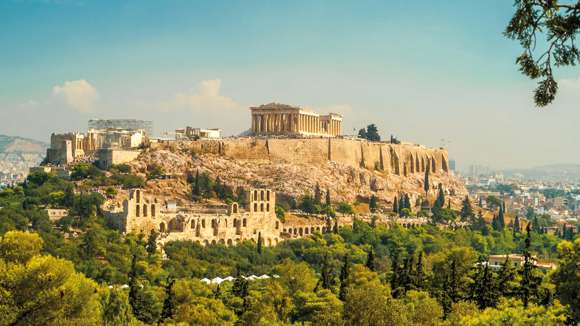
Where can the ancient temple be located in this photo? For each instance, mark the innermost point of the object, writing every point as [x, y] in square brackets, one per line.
[287, 120]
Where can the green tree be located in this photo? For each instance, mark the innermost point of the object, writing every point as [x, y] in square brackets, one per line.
[317, 195]
[506, 279]
[320, 308]
[169, 302]
[421, 309]
[529, 282]
[566, 278]
[344, 273]
[427, 183]
[152, 243]
[466, 209]
[370, 264]
[259, 246]
[559, 20]
[328, 202]
[116, 308]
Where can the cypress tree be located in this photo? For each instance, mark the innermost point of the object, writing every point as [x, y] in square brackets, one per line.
[371, 260]
[169, 303]
[501, 218]
[373, 203]
[344, 278]
[516, 226]
[326, 273]
[328, 197]
[317, 194]
[335, 229]
[419, 277]
[396, 205]
[395, 275]
[401, 204]
[259, 243]
[529, 282]
[426, 183]
[466, 209]
[196, 185]
[407, 201]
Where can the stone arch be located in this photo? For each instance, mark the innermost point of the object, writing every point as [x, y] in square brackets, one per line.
[197, 230]
[230, 242]
[175, 224]
[295, 231]
[213, 242]
[222, 242]
[395, 162]
[318, 228]
[235, 208]
[411, 164]
[206, 243]
[311, 230]
[145, 210]
[269, 242]
[162, 228]
[306, 230]
[152, 210]
[276, 240]
[192, 224]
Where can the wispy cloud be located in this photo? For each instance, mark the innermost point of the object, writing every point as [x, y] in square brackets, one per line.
[206, 96]
[79, 95]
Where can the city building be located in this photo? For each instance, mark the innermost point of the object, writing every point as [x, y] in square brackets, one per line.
[286, 120]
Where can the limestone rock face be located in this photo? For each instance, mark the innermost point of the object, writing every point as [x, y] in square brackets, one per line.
[348, 168]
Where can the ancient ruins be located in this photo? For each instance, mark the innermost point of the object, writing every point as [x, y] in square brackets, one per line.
[286, 120]
[143, 214]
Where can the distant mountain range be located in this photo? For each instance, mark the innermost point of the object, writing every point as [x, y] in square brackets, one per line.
[554, 172]
[17, 154]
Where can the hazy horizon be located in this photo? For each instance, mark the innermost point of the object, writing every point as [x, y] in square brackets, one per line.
[431, 73]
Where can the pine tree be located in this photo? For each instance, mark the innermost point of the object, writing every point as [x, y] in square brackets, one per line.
[466, 209]
[328, 203]
[371, 260]
[506, 277]
[396, 205]
[373, 203]
[344, 272]
[260, 243]
[485, 294]
[169, 303]
[317, 195]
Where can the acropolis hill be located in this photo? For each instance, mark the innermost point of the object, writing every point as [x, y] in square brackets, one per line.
[349, 168]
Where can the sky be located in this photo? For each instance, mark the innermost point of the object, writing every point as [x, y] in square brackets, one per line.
[438, 73]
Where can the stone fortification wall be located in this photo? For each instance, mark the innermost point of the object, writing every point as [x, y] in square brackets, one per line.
[398, 159]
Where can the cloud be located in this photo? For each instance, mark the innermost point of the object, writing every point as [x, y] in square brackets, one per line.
[79, 95]
[205, 97]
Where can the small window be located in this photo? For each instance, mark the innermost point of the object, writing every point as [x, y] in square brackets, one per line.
[267, 207]
[255, 207]
[203, 223]
[244, 222]
[262, 207]
[137, 211]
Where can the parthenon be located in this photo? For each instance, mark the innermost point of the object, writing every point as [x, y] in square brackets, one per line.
[282, 119]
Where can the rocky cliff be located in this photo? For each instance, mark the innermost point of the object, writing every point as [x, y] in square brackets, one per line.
[349, 168]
